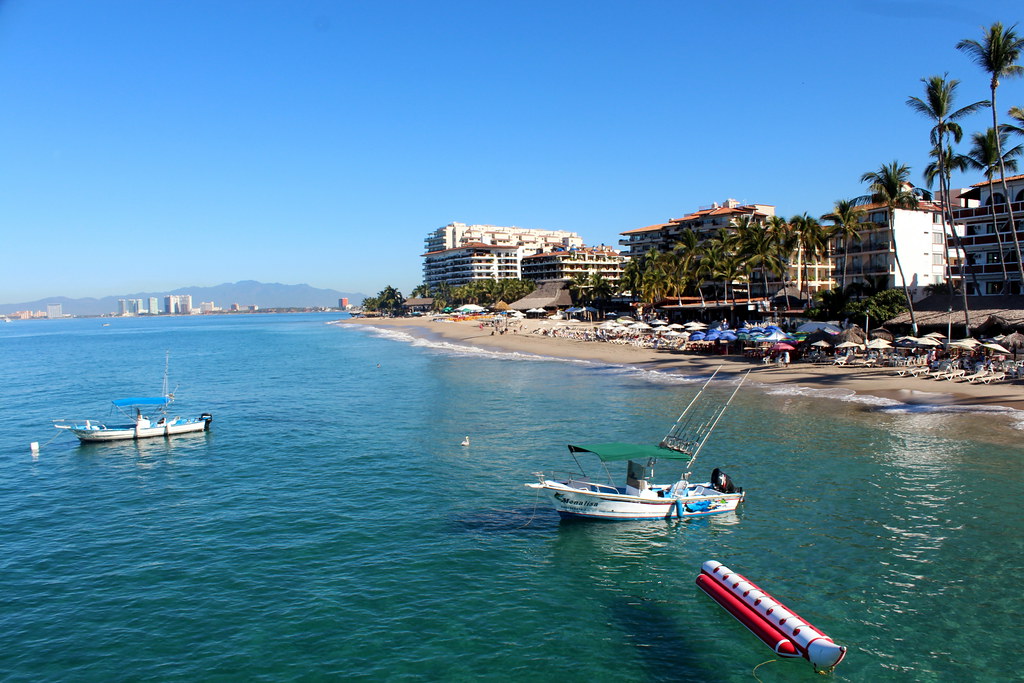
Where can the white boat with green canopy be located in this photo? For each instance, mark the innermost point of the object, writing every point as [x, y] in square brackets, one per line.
[581, 496]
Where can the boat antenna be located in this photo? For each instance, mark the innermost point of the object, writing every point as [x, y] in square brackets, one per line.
[717, 418]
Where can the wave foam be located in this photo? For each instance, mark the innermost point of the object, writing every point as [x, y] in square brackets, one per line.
[879, 403]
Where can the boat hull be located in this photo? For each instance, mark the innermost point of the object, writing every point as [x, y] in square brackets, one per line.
[580, 504]
[89, 433]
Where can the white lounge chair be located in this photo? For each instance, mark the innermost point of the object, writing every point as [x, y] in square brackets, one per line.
[993, 377]
[978, 375]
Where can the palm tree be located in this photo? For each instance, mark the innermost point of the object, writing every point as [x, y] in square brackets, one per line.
[580, 288]
[985, 156]
[937, 106]
[1018, 114]
[889, 186]
[601, 289]
[847, 222]
[997, 55]
[760, 248]
[812, 244]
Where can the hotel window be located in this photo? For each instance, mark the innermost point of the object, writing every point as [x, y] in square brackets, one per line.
[937, 260]
[938, 238]
[993, 287]
[992, 257]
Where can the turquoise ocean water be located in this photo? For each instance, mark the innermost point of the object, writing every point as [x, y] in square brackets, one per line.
[331, 527]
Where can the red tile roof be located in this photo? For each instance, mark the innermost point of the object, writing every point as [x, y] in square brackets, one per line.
[996, 180]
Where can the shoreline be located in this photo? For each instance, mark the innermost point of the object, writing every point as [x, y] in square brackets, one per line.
[880, 382]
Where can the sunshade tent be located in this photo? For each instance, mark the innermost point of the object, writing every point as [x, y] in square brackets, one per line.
[615, 451]
[881, 333]
[1014, 342]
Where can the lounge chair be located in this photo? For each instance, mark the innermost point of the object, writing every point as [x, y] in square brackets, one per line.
[955, 373]
[993, 377]
[978, 375]
[842, 360]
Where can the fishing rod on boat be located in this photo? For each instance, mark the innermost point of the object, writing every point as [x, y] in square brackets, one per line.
[673, 440]
[717, 418]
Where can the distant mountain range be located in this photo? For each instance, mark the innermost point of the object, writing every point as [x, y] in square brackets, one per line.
[246, 293]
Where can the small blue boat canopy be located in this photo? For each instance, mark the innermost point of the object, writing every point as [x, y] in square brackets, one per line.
[610, 452]
[151, 401]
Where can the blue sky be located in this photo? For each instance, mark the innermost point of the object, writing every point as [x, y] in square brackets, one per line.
[146, 146]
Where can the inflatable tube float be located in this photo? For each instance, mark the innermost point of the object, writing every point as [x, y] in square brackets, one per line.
[776, 625]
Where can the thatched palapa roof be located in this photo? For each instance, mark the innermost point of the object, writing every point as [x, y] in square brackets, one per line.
[551, 294]
[1006, 311]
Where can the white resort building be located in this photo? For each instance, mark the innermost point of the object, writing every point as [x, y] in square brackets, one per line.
[871, 259]
[565, 264]
[990, 248]
[458, 253]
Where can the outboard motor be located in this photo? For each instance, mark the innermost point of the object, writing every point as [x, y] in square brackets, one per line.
[207, 418]
[722, 482]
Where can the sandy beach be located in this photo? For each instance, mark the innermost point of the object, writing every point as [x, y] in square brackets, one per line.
[882, 382]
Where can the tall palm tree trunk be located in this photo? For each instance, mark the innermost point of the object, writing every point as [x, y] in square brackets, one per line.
[1006, 188]
[995, 227]
[947, 228]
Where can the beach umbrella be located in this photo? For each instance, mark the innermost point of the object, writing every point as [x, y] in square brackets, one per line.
[928, 341]
[1014, 342]
[995, 347]
[640, 326]
[783, 346]
[936, 335]
[694, 325]
[968, 341]
[995, 324]
[853, 333]
[676, 326]
[821, 343]
[848, 345]
[879, 343]
[625, 319]
[776, 336]
[881, 333]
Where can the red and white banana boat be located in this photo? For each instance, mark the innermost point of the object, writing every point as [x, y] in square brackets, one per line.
[777, 626]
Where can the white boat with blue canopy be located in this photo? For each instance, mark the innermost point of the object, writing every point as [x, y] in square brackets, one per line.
[578, 495]
[138, 418]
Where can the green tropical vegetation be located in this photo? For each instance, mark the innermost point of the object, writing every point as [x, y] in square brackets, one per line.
[388, 300]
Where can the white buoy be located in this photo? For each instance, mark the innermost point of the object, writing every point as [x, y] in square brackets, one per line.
[465, 442]
[35, 447]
